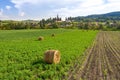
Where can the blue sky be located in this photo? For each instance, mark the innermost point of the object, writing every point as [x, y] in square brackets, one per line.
[38, 9]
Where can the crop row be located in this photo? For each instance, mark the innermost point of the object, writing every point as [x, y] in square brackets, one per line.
[21, 54]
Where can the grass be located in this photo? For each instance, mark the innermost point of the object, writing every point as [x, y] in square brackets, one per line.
[21, 54]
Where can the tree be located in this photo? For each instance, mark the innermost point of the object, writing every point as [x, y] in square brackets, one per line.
[42, 24]
[86, 26]
[0, 24]
[54, 25]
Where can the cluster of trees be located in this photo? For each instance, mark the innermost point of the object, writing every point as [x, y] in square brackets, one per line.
[8, 25]
[53, 24]
[110, 21]
[99, 25]
[50, 23]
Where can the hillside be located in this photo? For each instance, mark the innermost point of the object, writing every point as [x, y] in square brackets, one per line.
[112, 14]
[99, 17]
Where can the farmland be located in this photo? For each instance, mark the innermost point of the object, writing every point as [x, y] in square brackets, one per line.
[103, 61]
[21, 54]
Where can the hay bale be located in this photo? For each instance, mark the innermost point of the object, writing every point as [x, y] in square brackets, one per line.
[40, 38]
[53, 35]
[52, 56]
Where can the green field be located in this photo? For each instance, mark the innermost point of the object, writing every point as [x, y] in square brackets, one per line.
[21, 54]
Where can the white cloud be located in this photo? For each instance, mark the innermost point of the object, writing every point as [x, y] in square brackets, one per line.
[90, 3]
[113, 0]
[22, 14]
[19, 3]
[8, 7]
[49, 8]
[90, 7]
[43, 3]
[1, 11]
[2, 16]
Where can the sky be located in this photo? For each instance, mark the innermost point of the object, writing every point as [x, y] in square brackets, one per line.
[38, 9]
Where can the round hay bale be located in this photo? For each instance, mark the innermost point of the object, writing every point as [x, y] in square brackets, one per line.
[53, 35]
[52, 56]
[40, 38]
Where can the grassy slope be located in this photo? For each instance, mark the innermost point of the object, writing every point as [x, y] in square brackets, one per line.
[21, 55]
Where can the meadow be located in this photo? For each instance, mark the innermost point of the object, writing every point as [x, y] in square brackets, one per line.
[21, 53]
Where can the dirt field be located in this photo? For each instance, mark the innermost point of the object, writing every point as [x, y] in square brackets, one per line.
[103, 60]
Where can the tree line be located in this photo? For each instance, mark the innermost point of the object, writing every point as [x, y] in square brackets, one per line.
[54, 23]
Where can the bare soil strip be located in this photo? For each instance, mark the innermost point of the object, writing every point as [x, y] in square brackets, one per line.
[103, 61]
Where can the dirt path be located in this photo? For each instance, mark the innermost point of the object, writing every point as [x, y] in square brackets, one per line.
[103, 61]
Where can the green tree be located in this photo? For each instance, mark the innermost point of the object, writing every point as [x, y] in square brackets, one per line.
[42, 24]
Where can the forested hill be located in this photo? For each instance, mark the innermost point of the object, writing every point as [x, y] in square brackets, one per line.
[112, 14]
[99, 17]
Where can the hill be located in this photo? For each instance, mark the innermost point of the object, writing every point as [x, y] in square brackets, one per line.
[112, 14]
[99, 17]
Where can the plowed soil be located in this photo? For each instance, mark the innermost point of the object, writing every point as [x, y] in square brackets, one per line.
[103, 60]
